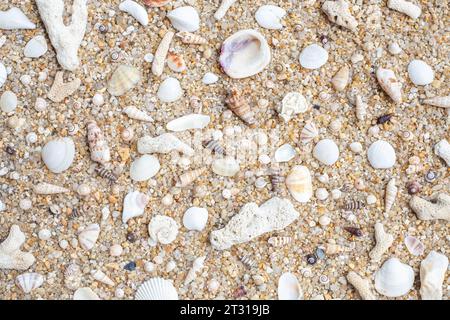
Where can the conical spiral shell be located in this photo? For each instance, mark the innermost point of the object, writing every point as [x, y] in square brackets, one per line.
[187, 178]
[102, 277]
[98, 146]
[240, 107]
[88, 237]
[390, 84]
[29, 281]
[391, 194]
[135, 113]
[191, 38]
[443, 102]
[341, 78]
[156, 289]
[47, 188]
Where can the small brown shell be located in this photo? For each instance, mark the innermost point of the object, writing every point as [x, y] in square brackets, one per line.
[176, 62]
[237, 103]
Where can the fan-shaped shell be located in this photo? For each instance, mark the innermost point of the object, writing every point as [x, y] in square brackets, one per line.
[313, 57]
[144, 167]
[123, 79]
[381, 155]
[289, 287]
[156, 289]
[170, 90]
[8, 101]
[88, 237]
[299, 183]
[134, 205]
[58, 154]
[29, 281]
[309, 132]
[394, 278]
[195, 218]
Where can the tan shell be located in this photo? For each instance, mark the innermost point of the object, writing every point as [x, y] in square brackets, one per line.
[161, 54]
[389, 83]
[123, 79]
[156, 3]
[102, 277]
[191, 38]
[97, 144]
[299, 184]
[176, 62]
[361, 109]
[89, 236]
[391, 194]
[237, 103]
[279, 241]
[341, 78]
[47, 188]
[188, 177]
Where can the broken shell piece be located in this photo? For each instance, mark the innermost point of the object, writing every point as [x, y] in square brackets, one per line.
[197, 266]
[293, 103]
[190, 38]
[88, 237]
[135, 10]
[394, 278]
[313, 57]
[326, 151]
[102, 277]
[442, 149]
[163, 229]
[169, 90]
[432, 275]
[11, 257]
[134, 205]
[420, 73]
[438, 207]
[210, 78]
[58, 154]
[47, 188]
[338, 12]
[135, 113]
[269, 16]
[341, 78]
[390, 195]
[442, 102]
[156, 289]
[98, 146]
[405, 7]
[333, 248]
[123, 79]
[381, 155]
[279, 241]
[285, 153]
[188, 122]
[60, 90]
[195, 218]
[85, 294]
[175, 62]
[161, 54]
[188, 177]
[72, 276]
[289, 287]
[144, 168]
[309, 132]
[36, 47]
[244, 54]
[383, 242]
[29, 281]
[237, 103]
[226, 167]
[389, 83]
[223, 8]
[414, 246]
[14, 18]
[299, 184]
[3, 74]
[184, 19]
[361, 284]
[164, 143]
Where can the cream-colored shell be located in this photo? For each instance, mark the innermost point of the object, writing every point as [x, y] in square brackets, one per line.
[88, 237]
[156, 289]
[123, 79]
[29, 281]
[163, 229]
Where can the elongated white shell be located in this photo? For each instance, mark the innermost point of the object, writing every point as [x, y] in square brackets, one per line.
[134, 205]
[88, 237]
[244, 54]
[144, 167]
[313, 57]
[85, 294]
[156, 289]
[289, 287]
[58, 154]
[169, 90]
[14, 18]
[381, 155]
[135, 113]
[389, 83]
[184, 19]
[3, 74]
[390, 195]
[36, 47]
[394, 278]
[226, 167]
[163, 229]
[188, 122]
[285, 153]
[269, 16]
[123, 79]
[135, 10]
[299, 184]
[326, 151]
[29, 281]
[47, 188]
[102, 277]
[293, 103]
[443, 102]
[98, 146]
[414, 246]
[195, 218]
[432, 275]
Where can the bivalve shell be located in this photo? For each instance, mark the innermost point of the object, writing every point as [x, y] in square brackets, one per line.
[269, 16]
[326, 151]
[29, 281]
[169, 90]
[134, 205]
[195, 218]
[309, 132]
[85, 294]
[289, 287]
[313, 57]
[144, 167]
[123, 79]
[381, 155]
[135, 10]
[394, 278]
[420, 73]
[184, 19]
[58, 154]
[156, 289]
[175, 62]
[285, 153]
[188, 122]
[299, 184]
[226, 167]
[36, 47]
[8, 101]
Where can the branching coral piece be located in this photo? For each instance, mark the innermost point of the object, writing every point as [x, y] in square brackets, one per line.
[65, 39]
[384, 241]
[10, 255]
[361, 284]
[338, 12]
[406, 7]
[438, 207]
[61, 90]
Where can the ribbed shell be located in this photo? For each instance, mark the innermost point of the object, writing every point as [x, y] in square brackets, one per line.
[123, 79]
[29, 281]
[88, 237]
[47, 188]
[389, 83]
[190, 38]
[443, 102]
[135, 113]
[240, 107]
[98, 145]
[214, 146]
[156, 289]
[309, 132]
[248, 261]
[390, 195]
[188, 177]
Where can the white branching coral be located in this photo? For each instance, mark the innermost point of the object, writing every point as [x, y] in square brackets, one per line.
[438, 207]
[384, 241]
[361, 284]
[11, 257]
[405, 7]
[65, 39]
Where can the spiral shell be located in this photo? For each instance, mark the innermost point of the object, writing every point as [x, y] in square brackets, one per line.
[341, 79]
[214, 146]
[102, 277]
[47, 188]
[163, 229]
[309, 132]
[442, 102]
[135, 113]
[390, 195]
[105, 173]
[279, 241]
[353, 205]
[240, 107]
[29, 281]
[276, 179]
[248, 261]
[98, 146]
[188, 177]
[88, 237]
[156, 289]
[361, 109]
[190, 38]
[390, 84]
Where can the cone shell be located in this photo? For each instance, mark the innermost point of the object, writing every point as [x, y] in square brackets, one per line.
[123, 79]
[135, 113]
[391, 194]
[88, 237]
[29, 281]
[156, 289]
[176, 62]
[47, 188]
[389, 83]
[187, 178]
[309, 132]
[341, 78]
[102, 277]
[97, 144]
[191, 38]
[299, 183]
[240, 107]
[443, 102]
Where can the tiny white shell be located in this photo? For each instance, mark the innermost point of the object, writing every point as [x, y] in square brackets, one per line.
[269, 16]
[313, 57]
[169, 90]
[285, 153]
[29, 281]
[326, 151]
[58, 154]
[85, 294]
[289, 287]
[394, 278]
[381, 155]
[36, 47]
[135, 113]
[195, 218]
[420, 73]
[144, 167]
[88, 237]
[226, 167]
[184, 19]
[134, 205]
[414, 246]
[8, 101]
[156, 289]
[135, 10]
[3, 74]
[187, 122]
[210, 78]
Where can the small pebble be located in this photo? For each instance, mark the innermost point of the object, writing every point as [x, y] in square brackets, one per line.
[131, 266]
[44, 234]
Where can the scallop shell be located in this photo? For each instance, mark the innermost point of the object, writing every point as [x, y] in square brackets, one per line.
[98, 146]
[123, 79]
[289, 287]
[414, 246]
[3, 74]
[361, 109]
[47, 188]
[188, 177]
[381, 155]
[184, 19]
[135, 113]
[309, 132]
[85, 294]
[226, 167]
[144, 168]
[8, 101]
[156, 289]
[326, 151]
[299, 184]
[244, 54]
[293, 103]
[195, 218]
[170, 90]
[58, 154]
[391, 194]
[394, 278]
[443, 102]
[237, 103]
[176, 62]
[269, 16]
[135, 10]
[188, 122]
[89, 236]
[29, 281]
[156, 3]
[389, 83]
[102, 277]
[163, 229]
[420, 73]
[134, 205]
[36, 47]
[341, 78]
[285, 153]
[313, 57]
[190, 38]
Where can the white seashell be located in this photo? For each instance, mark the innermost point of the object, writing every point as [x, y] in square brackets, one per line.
[197, 266]
[338, 12]
[163, 229]
[244, 54]
[3, 74]
[443, 102]
[175, 62]
[159, 58]
[341, 78]
[134, 205]
[313, 57]
[102, 277]
[389, 83]
[293, 103]
[184, 19]
[390, 195]
[36, 47]
[135, 10]
[210, 78]
[442, 149]
[188, 122]
[309, 132]
[47, 188]
[164, 143]
[414, 246]
[135, 113]
[8, 101]
[289, 287]
[58, 154]
[381, 155]
[123, 79]
[29, 281]
[299, 184]
[432, 275]
[40, 104]
[89, 236]
[326, 151]
[360, 109]
[14, 18]
[144, 167]
[195, 218]
[156, 289]
[223, 8]
[394, 278]
[285, 153]
[85, 294]
[420, 73]
[394, 48]
[2, 41]
[190, 38]
[322, 194]
[405, 7]
[72, 276]
[98, 145]
[269, 16]
[169, 90]
[226, 167]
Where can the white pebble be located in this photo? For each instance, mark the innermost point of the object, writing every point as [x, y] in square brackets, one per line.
[98, 100]
[40, 104]
[149, 267]
[374, 130]
[167, 200]
[83, 189]
[2, 206]
[213, 285]
[356, 147]
[420, 73]
[226, 193]
[260, 183]
[336, 194]
[44, 234]
[264, 159]
[324, 220]
[105, 213]
[31, 137]
[324, 178]
[394, 48]
[42, 76]
[25, 204]
[25, 79]
[63, 244]
[158, 260]
[149, 57]
[210, 78]
[115, 250]
[321, 193]
[371, 199]
[217, 135]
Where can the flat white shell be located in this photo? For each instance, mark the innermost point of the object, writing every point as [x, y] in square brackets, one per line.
[144, 167]
[169, 90]
[36, 47]
[420, 73]
[313, 57]
[285, 153]
[394, 278]
[156, 289]
[8, 101]
[134, 205]
[184, 19]
[135, 10]
[3, 74]
[195, 218]
[269, 16]
[85, 294]
[381, 155]
[187, 122]
[226, 167]
[289, 287]
[58, 154]
[326, 151]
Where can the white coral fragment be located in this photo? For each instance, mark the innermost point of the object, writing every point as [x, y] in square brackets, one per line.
[438, 207]
[432, 275]
[223, 8]
[442, 149]
[338, 12]
[361, 284]
[384, 241]
[65, 39]
[406, 7]
[10, 255]
[164, 143]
